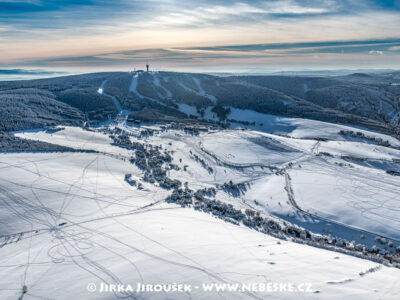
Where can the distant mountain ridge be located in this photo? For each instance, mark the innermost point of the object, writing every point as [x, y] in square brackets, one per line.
[371, 100]
[27, 72]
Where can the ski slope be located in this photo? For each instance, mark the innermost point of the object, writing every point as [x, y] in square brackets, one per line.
[326, 186]
[72, 217]
[91, 227]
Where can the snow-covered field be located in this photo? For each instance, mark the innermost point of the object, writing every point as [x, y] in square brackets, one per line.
[166, 244]
[71, 219]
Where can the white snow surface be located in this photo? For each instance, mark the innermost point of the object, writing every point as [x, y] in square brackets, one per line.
[319, 184]
[358, 196]
[154, 246]
[70, 219]
[297, 127]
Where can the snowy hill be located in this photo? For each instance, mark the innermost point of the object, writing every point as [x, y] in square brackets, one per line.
[369, 100]
[171, 178]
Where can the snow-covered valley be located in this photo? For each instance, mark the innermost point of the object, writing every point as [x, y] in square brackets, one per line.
[119, 210]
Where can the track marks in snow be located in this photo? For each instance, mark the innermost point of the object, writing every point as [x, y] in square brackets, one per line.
[361, 274]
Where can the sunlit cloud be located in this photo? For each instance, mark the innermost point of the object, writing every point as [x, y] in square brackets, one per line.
[236, 12]
[376, 52]
[296, 8]
[97, 33]
[316, 55]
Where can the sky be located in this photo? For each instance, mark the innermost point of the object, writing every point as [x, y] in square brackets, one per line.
[200, 35]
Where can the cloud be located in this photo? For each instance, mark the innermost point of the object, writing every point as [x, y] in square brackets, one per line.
[99, 33]
[289, 56]
[237, 12]
[207, 14]
[371, 46]
[296, 8]
[376, 52]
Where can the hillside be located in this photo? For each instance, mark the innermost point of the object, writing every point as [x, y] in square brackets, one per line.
[302, 201]
[168, 178]
[369, 100]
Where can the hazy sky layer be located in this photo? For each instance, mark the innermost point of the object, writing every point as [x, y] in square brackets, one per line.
[217, 35]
